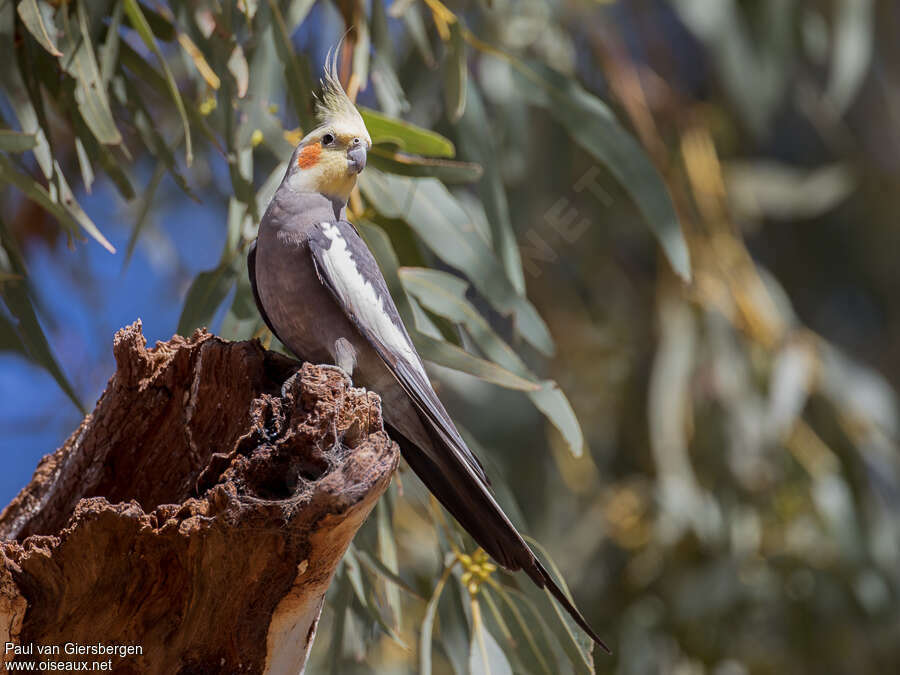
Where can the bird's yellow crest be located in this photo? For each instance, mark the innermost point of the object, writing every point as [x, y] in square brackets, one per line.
[330, 157]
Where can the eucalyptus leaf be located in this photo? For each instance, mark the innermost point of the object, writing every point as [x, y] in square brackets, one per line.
[574, 641]
[444, 294]
[339, 607]
[403, 164]
[378, 568]
[299, 84]
[478, 144]
[73, 208]
[204, 297]
[592, 125]
[38, 19]
[147, 200]
[139, 21]
[428, 622]
[16, 141]
[406, 136]
[17, 93]
[448, 355]
[27, 329]
[387, 551]
[455, 73]
[61, 205]
[84, 163]
[80, 62]
[485, 655]
[429, 208]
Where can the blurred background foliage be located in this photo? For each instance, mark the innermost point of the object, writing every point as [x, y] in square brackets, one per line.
[719, 482]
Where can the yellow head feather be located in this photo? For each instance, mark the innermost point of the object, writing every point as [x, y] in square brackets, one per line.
[334, 107]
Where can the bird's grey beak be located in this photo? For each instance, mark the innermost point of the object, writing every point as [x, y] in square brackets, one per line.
[357, 158]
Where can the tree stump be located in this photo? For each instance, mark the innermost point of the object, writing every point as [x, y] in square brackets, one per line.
[198, 514]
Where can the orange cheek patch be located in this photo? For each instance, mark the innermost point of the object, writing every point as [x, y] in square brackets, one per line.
[309, 156]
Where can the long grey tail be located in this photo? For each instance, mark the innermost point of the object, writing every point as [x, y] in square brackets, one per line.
[472, 505]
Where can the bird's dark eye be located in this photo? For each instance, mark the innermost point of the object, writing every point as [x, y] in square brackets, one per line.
[327, 139]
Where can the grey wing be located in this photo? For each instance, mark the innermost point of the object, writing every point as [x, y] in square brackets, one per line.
[347, 268]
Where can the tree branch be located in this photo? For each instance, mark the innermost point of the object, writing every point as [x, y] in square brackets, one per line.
[199, 512]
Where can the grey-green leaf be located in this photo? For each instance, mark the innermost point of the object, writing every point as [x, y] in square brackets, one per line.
[450, 356]
[299, 85]
[402, 164]
[90, 92]
[428, 622]
[204, 297]
[38, 19]
[27, 328]
[444, 294]
[485, 655]
[61, 205]
[455, 73]
[139, 21]
[477, 144]
[406, 136]
[593, 126]
[73, 208]
[442, 224]
[551, 401]
[16, 141]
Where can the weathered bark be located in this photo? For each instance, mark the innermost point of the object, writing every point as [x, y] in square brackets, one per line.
[199, 512]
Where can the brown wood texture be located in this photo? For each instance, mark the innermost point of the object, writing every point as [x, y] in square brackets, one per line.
[200, 511]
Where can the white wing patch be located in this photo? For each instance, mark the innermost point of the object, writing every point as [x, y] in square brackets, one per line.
[360, 297]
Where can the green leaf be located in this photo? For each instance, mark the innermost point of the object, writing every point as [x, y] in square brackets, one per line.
[144, 211]
[152, 139]
[363, 46]
[442, 224]
[485, 655]
[73, 208]
[378, 568]
[415, 26]
[159, 24]
[387, 551]
[299, 84]
[109, 52]
[16, 141]
[402, 164]
[477, 143]
[577, 645]
[38, 19]
[593, 126]
[522, 629]
[139, 21]
[204, 297]
[428, 621]
[65, 209]
[456, 71]
[444, 294]
[84, 164]
[339, 607]
[365, 594]
[80, 62]
[551, 401]
[27, 330]
[18, 94]
[450, 356]
[408, 137]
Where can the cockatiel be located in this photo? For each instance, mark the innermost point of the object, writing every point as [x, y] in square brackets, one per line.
[320, 291]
